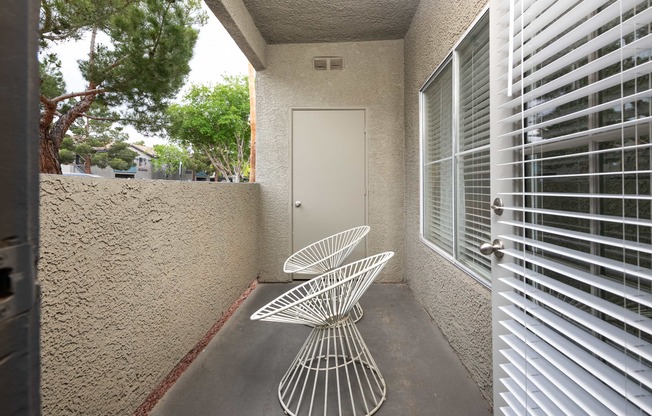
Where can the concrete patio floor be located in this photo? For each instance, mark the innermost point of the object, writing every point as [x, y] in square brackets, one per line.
[239, 371]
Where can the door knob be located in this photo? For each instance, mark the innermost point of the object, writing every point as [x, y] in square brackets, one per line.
[297, 204]
[494, 247]
[498, 206]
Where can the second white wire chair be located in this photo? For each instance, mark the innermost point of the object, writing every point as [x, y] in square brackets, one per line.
[327, 254]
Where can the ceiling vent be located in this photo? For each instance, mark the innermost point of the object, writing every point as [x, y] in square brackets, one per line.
[336, 63]
[320, 64]
[325, 63]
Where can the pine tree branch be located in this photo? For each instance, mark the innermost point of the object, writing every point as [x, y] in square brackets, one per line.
[86, 93]
[47, 115]
[116, 119]
[91, 52]
[47, 12]
[116, 63]
[160, 31]
[64, 122]
[47, 102]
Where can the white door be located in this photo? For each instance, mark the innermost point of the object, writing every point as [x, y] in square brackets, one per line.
[328, 175]
[572, 160]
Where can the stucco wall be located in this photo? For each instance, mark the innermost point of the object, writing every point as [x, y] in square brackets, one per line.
[460, 305]
[133, 274]
[372, 79]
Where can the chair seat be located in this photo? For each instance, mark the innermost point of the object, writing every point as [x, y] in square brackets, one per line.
[327, 298]
[325, 254]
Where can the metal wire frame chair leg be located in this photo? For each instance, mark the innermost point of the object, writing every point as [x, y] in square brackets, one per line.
[357, 312]
[333, 373]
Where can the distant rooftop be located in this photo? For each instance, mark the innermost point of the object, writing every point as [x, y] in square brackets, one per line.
[144, 149]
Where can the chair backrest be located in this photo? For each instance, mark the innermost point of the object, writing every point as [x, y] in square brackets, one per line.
[325, 254]
[327, 298]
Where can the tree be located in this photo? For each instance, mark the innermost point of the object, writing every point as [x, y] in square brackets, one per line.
[138, 60]
[98, 143]
[214, 121]
[169, 158]
[115, 154]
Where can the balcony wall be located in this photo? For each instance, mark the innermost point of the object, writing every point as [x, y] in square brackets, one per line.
[133, 274]
[460, 305]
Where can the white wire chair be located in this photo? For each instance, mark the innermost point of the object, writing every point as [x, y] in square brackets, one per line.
[334, 370]
[327, 254]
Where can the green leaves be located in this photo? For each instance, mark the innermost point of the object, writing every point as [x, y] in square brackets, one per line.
[168, 157]
[214, 120]
[100, 139]
[139, 53]
[52, 82]
[146, 60]
[120, 157]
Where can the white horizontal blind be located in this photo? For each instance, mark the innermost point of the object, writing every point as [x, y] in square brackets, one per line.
[437, 156]
[472, 161]
[575, 284]
[455, 153]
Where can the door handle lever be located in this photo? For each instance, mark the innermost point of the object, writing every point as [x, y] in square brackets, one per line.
[494, 247]
[497, 206]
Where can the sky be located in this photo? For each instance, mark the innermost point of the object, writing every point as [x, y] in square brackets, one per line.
[216, 54]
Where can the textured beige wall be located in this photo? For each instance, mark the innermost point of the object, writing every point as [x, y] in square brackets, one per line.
[133, 274]
[372, 79]
[460, 305]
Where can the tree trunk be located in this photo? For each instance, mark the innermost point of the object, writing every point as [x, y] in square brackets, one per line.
[48, 151]
[48, 155]
[51, 135]
[87, 164]
[252, 122]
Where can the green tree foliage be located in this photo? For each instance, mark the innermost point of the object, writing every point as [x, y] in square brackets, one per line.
[52, 82]
[117, 155]
[98, 143]
[170, 157]
[138, 59]
[214, 121]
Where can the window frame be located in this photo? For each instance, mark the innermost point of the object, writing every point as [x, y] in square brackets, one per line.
[452, 59]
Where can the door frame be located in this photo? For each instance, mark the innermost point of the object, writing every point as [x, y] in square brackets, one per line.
[291, 169]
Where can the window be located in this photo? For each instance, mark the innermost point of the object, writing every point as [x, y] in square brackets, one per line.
[455, 153]
[574, 288]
